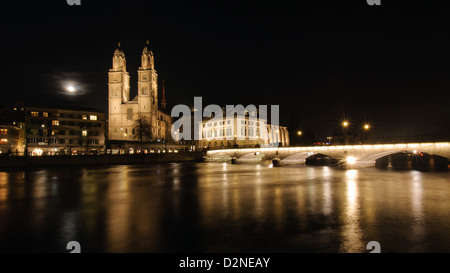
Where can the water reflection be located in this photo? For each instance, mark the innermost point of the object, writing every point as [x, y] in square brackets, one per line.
[221, 207]
[418, 231]
[351, 230]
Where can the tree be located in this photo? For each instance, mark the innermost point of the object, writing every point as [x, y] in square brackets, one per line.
[141, 130]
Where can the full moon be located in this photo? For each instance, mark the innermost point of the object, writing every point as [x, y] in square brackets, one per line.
[71, 88]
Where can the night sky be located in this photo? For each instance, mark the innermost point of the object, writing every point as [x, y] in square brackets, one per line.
[321, 61]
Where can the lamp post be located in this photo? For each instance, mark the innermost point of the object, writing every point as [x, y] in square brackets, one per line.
[366, 128]
[345, 125]
[299, 135]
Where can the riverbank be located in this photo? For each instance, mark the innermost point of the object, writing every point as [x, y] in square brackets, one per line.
[128, 159]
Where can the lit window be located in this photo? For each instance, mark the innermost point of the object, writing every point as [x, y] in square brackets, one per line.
[84, 116]
[93, 117]
[15, 109]
[3, 141]
[55, 122]
[34, 114]
[45, 114]
[3, 131]
[84, 133]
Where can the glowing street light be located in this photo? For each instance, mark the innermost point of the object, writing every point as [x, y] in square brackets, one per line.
[299, 133]
[351, 160]
[366, 127]
[345, 123]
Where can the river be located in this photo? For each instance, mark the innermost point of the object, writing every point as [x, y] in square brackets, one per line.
[223, 207]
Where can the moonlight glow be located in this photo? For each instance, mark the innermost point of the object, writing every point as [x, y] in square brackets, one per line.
[71, 88]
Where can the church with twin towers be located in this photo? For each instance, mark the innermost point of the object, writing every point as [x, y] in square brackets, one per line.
[142, 118]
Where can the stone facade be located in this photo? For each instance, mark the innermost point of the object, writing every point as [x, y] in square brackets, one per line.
[241, 132]
[137, 119]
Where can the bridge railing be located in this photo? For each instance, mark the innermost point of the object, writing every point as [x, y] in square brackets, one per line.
[381, 140]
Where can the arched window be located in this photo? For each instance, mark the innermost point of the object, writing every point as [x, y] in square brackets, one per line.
[130, 114]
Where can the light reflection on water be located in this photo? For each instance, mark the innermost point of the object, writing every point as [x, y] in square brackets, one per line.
[221, 207]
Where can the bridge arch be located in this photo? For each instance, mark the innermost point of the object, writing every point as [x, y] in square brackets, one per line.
[220, 157]
[251, 157]
[418, 158]
[298, 158]
[375, 156]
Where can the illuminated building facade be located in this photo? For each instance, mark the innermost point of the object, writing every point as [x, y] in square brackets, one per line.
[12, 138]
[241, 131]
[126, 116]
[56, 130]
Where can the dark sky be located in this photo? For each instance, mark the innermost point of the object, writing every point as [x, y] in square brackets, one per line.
[320, 61]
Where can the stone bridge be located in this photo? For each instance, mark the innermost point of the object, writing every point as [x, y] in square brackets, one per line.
[352, 155]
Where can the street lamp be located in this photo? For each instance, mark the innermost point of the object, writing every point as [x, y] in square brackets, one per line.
[299, 133]
[366, 126]
[345, 125]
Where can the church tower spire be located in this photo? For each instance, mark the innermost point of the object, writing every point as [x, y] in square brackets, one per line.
[148, 88]
[147, 60]
[119, 61]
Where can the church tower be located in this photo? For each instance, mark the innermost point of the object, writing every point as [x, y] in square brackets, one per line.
[148, 90]
[125, 113]
[118, 91]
